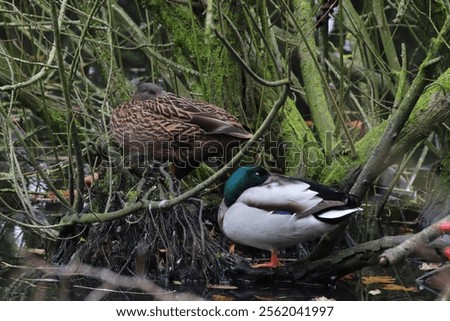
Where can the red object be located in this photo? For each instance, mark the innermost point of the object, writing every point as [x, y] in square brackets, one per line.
[274, 262]
[445, 227]
[446, 252]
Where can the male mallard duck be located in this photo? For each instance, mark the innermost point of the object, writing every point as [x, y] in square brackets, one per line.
[161, 126]
[271, 211]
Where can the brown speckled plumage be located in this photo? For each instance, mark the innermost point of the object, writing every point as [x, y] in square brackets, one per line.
[160, 126]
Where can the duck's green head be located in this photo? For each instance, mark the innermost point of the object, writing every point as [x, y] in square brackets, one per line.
[242, 179]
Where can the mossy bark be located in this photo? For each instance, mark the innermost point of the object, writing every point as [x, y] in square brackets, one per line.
[305, 155]
[430, 112]
[313, 83]
[219, 79]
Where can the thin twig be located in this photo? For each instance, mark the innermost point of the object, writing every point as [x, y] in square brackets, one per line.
[51, 56]
[73, 139]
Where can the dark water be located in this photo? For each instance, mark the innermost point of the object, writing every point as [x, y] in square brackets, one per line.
[21, 252]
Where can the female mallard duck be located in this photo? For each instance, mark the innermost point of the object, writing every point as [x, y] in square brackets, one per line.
[271, 211]
[160, 126]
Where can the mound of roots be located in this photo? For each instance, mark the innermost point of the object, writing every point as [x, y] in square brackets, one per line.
[165, 245]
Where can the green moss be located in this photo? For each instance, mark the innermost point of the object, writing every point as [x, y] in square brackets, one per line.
[220, 76]
[56, 119]
[368, 143]
[304, 155]
[183, 30]
[342, 164]
[442, 84]
[336, 171]
[132, 196]
[314, 86]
